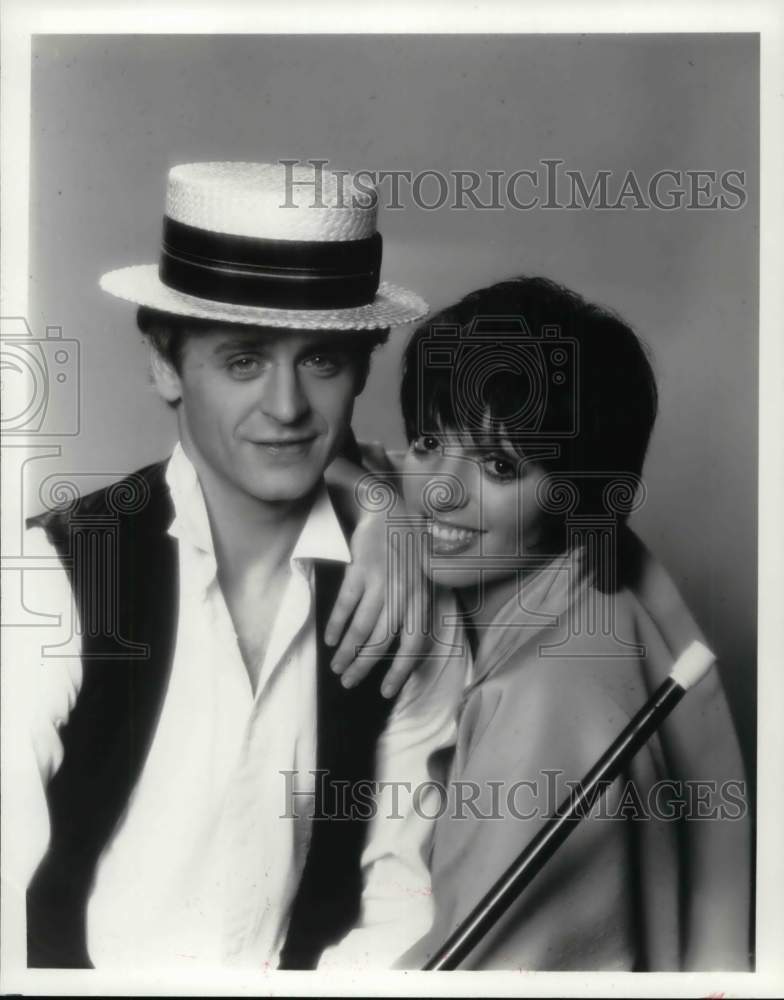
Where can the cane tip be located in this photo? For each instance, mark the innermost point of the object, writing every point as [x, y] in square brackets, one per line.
[692, 665]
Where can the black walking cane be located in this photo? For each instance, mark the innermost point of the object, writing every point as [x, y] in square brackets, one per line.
[689, 669]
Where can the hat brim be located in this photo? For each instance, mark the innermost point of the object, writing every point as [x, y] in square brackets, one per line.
[392, 306]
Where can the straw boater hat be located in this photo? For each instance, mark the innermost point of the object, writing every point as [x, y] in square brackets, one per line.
[245, 243]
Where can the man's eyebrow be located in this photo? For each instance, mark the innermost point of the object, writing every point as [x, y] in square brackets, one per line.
[238, 343]
[325, 345]
[256, 342]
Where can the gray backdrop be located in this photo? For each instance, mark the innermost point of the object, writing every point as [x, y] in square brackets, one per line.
[112, 113]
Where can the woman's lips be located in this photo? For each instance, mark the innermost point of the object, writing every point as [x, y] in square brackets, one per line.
[449, 539]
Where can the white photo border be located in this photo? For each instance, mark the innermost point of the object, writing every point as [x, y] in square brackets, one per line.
[22, 20]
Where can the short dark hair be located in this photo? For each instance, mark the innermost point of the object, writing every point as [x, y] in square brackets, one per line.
[167, 333]
[610, 395]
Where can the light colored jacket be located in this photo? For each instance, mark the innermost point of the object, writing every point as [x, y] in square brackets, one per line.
[558, 674]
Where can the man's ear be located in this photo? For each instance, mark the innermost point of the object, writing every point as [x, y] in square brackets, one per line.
[165, 376]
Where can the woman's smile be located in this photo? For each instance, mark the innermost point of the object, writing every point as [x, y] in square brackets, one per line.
[450, 539]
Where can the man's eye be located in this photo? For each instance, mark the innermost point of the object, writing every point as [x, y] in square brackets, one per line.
[426, 443]
[324, 364]
[244, 366]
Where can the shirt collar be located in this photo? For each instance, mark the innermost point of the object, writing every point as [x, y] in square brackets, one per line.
[321, 536]
[191, 523]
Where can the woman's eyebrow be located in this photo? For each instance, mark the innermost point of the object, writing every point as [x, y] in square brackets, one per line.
[475, 449]
[487, 441]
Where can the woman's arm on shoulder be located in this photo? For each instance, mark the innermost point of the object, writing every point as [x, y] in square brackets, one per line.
[384, 594]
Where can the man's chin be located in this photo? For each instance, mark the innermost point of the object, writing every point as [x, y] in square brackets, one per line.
[290, 490]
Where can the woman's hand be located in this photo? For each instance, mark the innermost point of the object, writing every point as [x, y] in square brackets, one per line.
[384, 595]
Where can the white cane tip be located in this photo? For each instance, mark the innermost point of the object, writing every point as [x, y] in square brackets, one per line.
[692, 665]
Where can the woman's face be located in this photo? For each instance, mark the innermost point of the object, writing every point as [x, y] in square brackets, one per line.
[479, 502]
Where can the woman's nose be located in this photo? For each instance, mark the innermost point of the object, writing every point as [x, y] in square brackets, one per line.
[282, 396]
[450, 487]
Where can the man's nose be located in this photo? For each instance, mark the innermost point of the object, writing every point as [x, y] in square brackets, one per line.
[449, 487]
[282, 396]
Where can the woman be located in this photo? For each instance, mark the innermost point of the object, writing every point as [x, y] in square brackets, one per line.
[528, 413]
[536, 431]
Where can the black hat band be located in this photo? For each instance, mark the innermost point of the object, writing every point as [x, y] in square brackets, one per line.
[276, 274]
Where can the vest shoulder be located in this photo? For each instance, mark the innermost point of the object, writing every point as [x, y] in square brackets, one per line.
[140, 491]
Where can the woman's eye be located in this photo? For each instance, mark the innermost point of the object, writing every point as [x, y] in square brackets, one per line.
[426, 443]
[500, 468]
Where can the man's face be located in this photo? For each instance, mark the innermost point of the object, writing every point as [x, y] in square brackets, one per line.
[263, 411]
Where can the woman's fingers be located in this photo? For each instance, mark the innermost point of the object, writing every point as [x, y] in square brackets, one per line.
[361, 628]
[398, 673]
[349, 596]
[416, 641]
[372, 607]
[367, 657]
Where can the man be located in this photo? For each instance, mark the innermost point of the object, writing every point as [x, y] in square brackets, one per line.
[178, 752]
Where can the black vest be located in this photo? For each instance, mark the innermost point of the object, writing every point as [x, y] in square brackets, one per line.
[122, 565]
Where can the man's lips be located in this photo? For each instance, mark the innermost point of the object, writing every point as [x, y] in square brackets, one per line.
[284, 441]
[292, 447]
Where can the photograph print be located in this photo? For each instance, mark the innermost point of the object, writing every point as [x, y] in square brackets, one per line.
[380, 431]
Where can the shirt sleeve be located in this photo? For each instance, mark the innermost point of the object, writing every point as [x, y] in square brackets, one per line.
[412, 762]
[41, 679]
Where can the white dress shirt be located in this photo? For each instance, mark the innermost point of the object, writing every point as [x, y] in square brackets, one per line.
[205, 862]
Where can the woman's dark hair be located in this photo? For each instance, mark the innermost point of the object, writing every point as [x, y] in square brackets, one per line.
[167, 333]
[531, 361]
